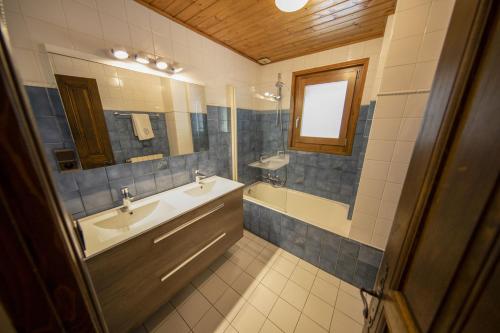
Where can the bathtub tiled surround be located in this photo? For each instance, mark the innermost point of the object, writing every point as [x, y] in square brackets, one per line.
[85, 192]
[349, 260]
[257, 287]
[330, 176]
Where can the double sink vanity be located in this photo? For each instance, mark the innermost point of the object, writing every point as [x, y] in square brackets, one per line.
[140, 255]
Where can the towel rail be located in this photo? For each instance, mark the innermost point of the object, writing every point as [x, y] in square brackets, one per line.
[118, 114]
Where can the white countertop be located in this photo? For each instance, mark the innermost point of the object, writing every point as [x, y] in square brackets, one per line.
[171, 204]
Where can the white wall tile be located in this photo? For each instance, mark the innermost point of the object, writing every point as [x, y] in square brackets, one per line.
[411, 22]
[371, 187]
[49, 11]
[137, 14]
[19, 34]
[375, 169]
[403, 51]
[440, 14]
[27, 65]
[391, 106]
[380, 150]
[403, 151]
[116, 30]
[82, 18]
[385, 128]
[410, 127]
[113, 7]
[12, 6]
[142, 39]
[416, 104]
[432, 45]
[397, 78]
[397, 172]
[392, 192]
[367, 205]
[424, 74]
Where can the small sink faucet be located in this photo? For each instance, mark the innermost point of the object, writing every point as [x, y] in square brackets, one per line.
[199, 176]
[126, 199]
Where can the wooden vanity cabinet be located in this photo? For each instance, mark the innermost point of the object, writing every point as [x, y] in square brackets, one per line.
[133, 279]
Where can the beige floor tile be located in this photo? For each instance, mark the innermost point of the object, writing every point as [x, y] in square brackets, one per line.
[172, 323]
[182, 295]
[231, 251]
[228, 272]
[302, 277]
[248, 320]
[294, 294]
[218, 263]
[350, 289]
[230, 329]
[269, 327]
[290, 257]
[263, 299]
[254, 248]
[328, 277]
[350, 305]
[324, 290]
[242, 258]
[307, 325]
[193, 308]
[245, 285]
[269, 256]
[229, 304]
[213, 288]
[342, 323]
[308, 267]
[202, 277]
[319, 311]
[211, 322]
[284, 316]
[284, 266]
[274, 281]
[257, 269]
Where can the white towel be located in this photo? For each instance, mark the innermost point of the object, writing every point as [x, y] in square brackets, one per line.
[142, 126]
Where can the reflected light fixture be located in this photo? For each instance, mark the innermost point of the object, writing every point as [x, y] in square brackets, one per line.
[290, 5]
[142, 58]
[161, 64]
[172, 69]
[119, 53]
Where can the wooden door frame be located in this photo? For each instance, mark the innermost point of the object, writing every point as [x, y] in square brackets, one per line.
[45, 287]
[460, 53]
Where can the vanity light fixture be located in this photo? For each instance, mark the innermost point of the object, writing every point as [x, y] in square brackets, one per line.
[290, 5]
[142, 58]
[119, 53]
[173, 69]
[161, 64]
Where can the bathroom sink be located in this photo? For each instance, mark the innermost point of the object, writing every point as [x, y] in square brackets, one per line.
[119, 219]
[272, 163]
[202, 188]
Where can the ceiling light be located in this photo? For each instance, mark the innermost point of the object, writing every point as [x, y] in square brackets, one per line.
[290, 5]
[161, 64]
[142, 59]
[120, 53]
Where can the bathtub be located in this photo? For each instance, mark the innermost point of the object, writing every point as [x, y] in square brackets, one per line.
[323, 213]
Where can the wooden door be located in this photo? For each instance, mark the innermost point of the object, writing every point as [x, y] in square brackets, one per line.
[85, 115]
[440, 272]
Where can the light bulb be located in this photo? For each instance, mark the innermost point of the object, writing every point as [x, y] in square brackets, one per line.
[290, 5]
[120, 53]
[160, 64]
[142, 59]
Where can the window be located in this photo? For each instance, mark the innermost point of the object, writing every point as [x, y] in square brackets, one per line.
[325, 105]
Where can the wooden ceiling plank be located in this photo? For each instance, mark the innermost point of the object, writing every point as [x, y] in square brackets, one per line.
[383, 8]
[178, 6]
[304, 22]
[271, 15]
[327, 46]
[352, 26]
[312, 41]
[193, 9]
[234, 11]
[160, 4]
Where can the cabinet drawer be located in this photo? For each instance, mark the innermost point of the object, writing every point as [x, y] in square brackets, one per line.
[133, 279]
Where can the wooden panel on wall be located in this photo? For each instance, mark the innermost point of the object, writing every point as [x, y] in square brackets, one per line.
[258, 29]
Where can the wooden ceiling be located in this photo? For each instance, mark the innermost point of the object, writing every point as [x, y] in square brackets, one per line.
[257, 29]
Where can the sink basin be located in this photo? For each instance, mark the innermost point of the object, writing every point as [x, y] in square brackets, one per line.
[272, 163]
[118, 219]
[201, 189]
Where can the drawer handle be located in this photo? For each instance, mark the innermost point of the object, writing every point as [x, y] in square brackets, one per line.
[188, 260]
[187, 224]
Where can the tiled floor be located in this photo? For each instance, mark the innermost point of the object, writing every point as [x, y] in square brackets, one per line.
[258, 287]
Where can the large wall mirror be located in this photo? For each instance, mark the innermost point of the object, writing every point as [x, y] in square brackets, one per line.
[117, 115]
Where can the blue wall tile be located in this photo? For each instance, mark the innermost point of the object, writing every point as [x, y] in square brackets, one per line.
[88, 191]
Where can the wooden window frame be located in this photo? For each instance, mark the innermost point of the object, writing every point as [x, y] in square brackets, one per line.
[355, 73]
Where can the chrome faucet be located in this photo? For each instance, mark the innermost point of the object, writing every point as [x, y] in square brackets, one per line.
[264, 156]
[126, 199]
[199, 176]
